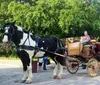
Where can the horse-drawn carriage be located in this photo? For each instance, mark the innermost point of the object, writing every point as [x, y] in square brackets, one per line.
[88, 56]
[29, 45]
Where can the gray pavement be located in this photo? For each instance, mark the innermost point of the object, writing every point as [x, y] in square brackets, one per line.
[11, 73]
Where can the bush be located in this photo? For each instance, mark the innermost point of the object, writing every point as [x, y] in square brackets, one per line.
[8, 50]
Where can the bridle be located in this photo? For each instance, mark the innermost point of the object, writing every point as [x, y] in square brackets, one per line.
[10, 34]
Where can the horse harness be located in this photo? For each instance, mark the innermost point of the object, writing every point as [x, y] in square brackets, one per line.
[36, 48]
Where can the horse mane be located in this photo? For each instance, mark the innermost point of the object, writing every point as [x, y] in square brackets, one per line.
[22, 29]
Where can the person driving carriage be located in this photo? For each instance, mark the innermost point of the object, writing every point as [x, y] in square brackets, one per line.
[85, 39]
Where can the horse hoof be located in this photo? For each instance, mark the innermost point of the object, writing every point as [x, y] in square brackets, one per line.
[59, 77]
[23, 81]
[28, 82]
[55, 76]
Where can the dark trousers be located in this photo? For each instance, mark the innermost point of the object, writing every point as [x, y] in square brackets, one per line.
[44, 63]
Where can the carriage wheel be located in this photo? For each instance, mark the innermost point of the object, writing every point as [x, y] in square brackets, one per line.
[72, 66]
[93, 67]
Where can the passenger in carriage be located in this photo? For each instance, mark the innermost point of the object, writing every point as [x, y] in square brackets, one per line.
[85, 39]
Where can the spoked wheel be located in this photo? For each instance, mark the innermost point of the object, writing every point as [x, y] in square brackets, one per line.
[93, 67]
[72, 66]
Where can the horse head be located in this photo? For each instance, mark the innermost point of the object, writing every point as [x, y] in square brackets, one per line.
[12, 32]
[8, 31]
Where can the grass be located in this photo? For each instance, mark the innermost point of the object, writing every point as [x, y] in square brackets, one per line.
[13, 58]
[16, 58]
[9, 58]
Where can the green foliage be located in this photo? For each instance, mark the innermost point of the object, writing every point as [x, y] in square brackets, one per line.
[79, 16]
[62, 18]
[8, 50]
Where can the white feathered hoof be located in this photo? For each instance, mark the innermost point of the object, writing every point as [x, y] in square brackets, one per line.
[28, 81]
[59, 77]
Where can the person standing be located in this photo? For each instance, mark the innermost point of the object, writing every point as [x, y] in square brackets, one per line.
[43, 61]
[40, 63]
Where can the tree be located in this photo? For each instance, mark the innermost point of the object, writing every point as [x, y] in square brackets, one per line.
[78, 15]
[62, 18]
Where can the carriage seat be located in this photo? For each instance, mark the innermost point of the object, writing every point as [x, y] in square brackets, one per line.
[97, 47]
[86, 46]
[86, 49]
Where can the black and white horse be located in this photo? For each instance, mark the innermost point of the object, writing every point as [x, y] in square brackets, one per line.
[29, 46]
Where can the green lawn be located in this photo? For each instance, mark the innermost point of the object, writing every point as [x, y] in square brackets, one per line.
[16, 58]
[9, 58]
[13, 58]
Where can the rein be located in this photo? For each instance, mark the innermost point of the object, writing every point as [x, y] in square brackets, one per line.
[7, 34]
[39, 49]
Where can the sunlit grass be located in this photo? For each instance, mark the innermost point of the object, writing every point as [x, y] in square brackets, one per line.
[16, 58]
[9, 58]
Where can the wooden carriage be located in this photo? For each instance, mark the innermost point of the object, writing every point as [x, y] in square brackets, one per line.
[74, 48]
[77, 53]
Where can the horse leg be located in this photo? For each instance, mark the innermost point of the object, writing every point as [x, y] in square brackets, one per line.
[60, 71]
[27, 78]
[30, 76]
[25, 71]
[27, 66]
[24, 77]
[55, 71]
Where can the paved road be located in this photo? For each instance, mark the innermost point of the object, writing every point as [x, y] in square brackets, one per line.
[11, 73]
